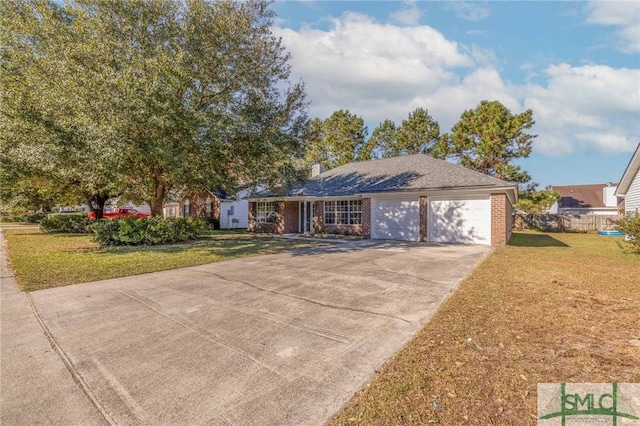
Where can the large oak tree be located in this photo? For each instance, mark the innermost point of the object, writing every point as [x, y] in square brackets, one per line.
[142, 98]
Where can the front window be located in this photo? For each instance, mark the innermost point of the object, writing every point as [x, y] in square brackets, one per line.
[266, 212]
[343, 212]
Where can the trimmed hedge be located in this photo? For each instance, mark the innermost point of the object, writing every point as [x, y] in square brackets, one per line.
[74, 223]
[28, 218]
[131, 231]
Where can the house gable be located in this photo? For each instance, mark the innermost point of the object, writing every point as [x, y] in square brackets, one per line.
[586, 199]
[629, 186]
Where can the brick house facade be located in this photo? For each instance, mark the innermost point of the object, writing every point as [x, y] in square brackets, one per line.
[202, 204]
[411, 198]
[288, 217]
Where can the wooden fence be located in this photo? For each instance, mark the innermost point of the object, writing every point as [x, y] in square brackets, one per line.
[566, 223]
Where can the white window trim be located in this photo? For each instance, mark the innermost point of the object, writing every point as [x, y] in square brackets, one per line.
[349, 211]
[263, 216]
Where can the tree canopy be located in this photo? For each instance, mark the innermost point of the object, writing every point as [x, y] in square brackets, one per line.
[416, 135]
[532, 201]
[488, 139]
[338, 140]
[384, 138]
[141, 98]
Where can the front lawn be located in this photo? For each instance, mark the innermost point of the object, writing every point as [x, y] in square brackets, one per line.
[548, 308]
[51, 260]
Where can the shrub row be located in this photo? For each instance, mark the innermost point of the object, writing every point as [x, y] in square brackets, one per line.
[147, 230]
[75, 223]
[27, 217]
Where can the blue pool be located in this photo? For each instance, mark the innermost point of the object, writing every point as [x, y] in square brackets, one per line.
[611, 233]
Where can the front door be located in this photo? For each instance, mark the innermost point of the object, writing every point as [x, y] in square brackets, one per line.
[306, 216]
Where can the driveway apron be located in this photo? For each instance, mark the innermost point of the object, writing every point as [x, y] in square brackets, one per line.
[279, 339]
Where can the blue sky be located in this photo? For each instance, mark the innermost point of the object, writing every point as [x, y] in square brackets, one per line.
[575, 64]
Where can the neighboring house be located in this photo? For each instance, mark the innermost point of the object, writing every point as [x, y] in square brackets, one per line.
[228, 212]
[629, 186]
[586, 199]
[204, 204]
[411, 198]
[234, 210]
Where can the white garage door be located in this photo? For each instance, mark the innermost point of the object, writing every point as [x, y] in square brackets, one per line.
[460, 220]
[395, 219]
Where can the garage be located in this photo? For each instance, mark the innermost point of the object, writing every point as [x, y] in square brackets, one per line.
[460, 220]
[395, 219]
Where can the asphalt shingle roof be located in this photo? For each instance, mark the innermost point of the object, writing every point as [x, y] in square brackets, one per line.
[582, 196]
[399, 174]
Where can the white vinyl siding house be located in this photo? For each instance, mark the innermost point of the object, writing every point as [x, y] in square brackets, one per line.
[234, 211]
[632, 199]
[629, 186]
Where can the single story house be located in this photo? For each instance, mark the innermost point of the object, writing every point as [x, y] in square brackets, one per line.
[410, 198]
[629, 186]
[597, 199]
[228, 212]
[203, 204]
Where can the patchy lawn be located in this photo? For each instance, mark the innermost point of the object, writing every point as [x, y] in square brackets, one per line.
[51, 260]
[548, 308]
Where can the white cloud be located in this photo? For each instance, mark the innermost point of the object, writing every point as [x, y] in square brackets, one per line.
[409, 14]
[468, 11]
[592, 107]
[625, 15]
[360, 63]
[380, 71]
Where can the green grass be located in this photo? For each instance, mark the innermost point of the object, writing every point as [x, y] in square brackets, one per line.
[549, 308]
[42, 260]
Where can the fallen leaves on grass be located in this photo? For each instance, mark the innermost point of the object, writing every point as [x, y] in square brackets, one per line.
[50, 260]
[560, 309]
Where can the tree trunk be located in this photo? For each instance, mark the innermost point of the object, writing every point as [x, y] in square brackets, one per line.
[96, 203]
[159, 192]
[156, 206]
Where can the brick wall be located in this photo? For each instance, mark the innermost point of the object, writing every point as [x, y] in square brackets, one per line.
[500, 219]
[366, 218]
[318, 216]
[342, 229]
[254, 226]
[509, 217]
[424, 211]
[291, 217]
[215, 210]
[280, 224]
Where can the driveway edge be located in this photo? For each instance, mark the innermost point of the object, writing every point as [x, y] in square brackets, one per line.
[36, 386]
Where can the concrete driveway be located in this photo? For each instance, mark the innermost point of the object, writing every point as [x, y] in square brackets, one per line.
[271, 340]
